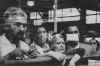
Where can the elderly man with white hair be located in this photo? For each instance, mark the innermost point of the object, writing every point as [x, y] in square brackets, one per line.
[11, 41]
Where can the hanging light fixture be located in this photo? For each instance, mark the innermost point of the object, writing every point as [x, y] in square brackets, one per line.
[30, 3]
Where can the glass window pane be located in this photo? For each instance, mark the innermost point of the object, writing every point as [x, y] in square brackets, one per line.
[66, 19]
[65, 12]
[91, 19]
[98, 18]
[89, 12]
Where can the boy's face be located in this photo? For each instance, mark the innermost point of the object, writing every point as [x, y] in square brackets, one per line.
[72, 34]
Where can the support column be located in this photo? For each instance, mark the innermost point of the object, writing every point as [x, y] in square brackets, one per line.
[83, 16]
[55, 15]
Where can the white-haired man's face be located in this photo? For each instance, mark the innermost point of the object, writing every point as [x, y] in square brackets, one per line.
[17, 27]
[16, 18]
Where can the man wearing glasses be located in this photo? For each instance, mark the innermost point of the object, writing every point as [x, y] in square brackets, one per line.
[11, 39]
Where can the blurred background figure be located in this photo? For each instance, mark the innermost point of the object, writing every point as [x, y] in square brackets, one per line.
[94, 42]
[95, 46]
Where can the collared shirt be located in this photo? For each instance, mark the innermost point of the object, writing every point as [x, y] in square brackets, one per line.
[6, 46]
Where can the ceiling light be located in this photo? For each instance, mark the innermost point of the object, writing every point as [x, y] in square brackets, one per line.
[30, 3]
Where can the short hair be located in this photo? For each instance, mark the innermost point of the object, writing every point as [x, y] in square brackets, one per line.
[66, 30]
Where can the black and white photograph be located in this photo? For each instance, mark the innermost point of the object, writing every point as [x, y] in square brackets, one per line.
[49, 32]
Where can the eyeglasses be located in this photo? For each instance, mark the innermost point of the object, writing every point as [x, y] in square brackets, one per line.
[15, 14]
[18, 24]
[73, 32]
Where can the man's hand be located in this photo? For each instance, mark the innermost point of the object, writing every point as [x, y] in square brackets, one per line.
[71, 63]
[57, 55]
[74, 59]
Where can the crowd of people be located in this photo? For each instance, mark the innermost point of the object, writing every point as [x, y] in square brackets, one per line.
[17, 44]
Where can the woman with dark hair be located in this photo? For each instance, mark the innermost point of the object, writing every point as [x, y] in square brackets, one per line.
[42, 38]
[40, 41]
[41, 45]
